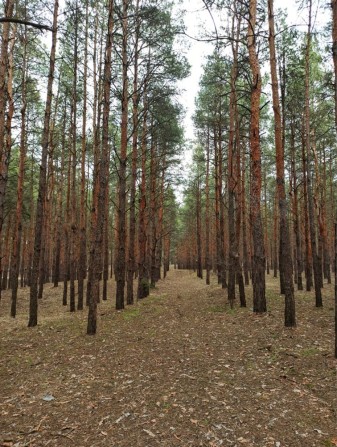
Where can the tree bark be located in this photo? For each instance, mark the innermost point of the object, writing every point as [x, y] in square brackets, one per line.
[132, 220]
[120, 258]
[97, 225]
[297, 232]
[207, 213]
[4, 83]
[258, 274]
[143, 273]
[233, 266]
[82, 263]
[33, 303]
[285, 247]
[315, 258]
[15, 262]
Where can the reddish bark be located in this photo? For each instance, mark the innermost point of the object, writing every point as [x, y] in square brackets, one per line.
[258, 275]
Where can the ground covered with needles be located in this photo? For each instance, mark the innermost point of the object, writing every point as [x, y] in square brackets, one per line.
[179, 368]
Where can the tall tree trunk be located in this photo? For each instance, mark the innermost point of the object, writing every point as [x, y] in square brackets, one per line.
[297, 232]
[132, 219]
[95, 259]
[334, 52]
[308, 263]
[82, 263]
[96, 124]
[15, 263]
[4, 84]
[152, 212]
[315, 258]
[258, 274]
[238, 200]
[120, 258]
[106, 246]
[143, 274]
[73, 233]
[198, 234]
[232, 180]
[285, 247]
[207, 213]
[222, 211]
[33, 306]
[246, 261]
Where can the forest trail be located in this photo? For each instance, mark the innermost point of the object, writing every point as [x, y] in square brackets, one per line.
[179, 368]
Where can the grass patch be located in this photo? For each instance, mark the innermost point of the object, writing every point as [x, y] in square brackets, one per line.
[217, 309]
[308, 352]
[130, 314]
[222, 309]
[328, 443]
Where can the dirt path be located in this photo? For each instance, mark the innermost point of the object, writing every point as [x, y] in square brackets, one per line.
[178, 369]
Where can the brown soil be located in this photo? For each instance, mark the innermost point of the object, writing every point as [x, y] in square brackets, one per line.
[179, 368]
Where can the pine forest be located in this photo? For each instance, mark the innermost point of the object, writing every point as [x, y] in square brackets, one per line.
[168, 223]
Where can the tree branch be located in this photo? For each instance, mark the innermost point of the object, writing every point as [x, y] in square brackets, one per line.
[25, 22]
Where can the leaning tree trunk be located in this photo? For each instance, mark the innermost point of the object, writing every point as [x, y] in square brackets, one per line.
[258, 274]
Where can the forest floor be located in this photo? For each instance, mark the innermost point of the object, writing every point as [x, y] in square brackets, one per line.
[179, 368]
